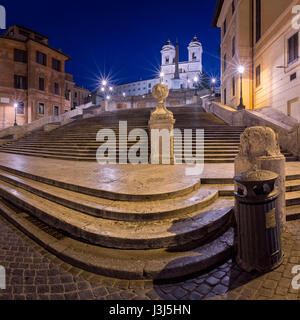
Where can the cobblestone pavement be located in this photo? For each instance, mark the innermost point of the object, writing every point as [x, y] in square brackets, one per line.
[34, 273]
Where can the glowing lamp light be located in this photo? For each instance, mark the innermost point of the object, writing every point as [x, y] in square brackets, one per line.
[108, 97]
[213, 80]
[162, 74]
[16, 105]
[241, 69]
[196, 79]
[104, 83]
[111, 89]
[124, 94]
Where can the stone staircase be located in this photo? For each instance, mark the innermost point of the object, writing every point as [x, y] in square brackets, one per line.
[77, 141]
[293, 197]
[145, 238]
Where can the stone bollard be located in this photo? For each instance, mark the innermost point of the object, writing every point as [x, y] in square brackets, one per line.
[161, 126]
[259, 149]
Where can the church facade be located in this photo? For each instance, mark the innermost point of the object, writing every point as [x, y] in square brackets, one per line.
[174, 74]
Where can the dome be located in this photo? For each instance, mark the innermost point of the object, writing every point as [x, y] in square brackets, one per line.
[195, 42]
[168, 46]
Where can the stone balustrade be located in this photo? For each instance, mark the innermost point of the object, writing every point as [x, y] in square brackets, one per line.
[288, 131]
[14, 133]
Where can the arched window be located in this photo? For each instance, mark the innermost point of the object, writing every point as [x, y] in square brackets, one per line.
[167, 60]
[194, 56]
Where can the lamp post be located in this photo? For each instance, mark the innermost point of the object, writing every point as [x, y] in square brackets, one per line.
[196, 80]
[213, 82]
[106, 90]
[241, 70]
[161, 75]
[16, 107]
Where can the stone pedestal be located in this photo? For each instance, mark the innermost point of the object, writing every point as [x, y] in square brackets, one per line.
[260, 149]
[161, 127]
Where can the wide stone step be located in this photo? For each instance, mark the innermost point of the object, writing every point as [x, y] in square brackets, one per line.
[93, 150]
[87, 155]
[119, 234]
[293, 213]
[293, 198]
[118, 210]
[124, 264]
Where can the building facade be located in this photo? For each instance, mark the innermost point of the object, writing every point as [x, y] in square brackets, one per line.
[263, 36]
[80, 96]
[174, 74]
[33, 77]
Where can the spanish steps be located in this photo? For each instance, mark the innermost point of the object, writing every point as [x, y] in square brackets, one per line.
[77, 141]
[128, 222]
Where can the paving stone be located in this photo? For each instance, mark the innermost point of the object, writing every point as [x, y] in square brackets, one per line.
[220, 289]
[195, 296]
[179, 293]
[203, 289]
[270, 284]
[212, 281]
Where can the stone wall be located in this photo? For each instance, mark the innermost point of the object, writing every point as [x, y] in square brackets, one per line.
[288, 132]
[176, 98]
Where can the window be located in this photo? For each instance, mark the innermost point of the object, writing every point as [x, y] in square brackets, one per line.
[293, 48]
[233, 87]
[194, 56]
[232, 7]
[167, 60]
[56, 88]
[42, 84]
[20, 109]
[67, 94]
[258, 20]
[41, 58]
[41, 108]
[75, 94]
[224, 63]
[56, 64]
[233, 46]
[20, 82]
[20, 56]
[224, 27]
[293, 76]
[56, 111]
[225, 96]
[257, 76]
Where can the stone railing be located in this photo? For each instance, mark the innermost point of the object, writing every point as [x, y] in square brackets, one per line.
[288, 134]
[13, 133]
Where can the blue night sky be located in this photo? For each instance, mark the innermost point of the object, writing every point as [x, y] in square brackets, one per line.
[120, 38]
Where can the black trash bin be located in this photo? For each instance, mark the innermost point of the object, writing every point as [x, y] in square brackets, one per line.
[257, 231]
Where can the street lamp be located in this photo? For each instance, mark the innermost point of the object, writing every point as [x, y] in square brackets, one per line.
[16, 107]
[213, 81]
[161, 77]
[241, 70]
[196, 80]
[106, 90]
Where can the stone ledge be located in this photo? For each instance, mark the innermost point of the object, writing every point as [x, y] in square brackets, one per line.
[131, 265]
